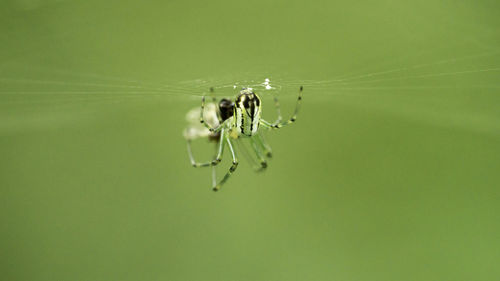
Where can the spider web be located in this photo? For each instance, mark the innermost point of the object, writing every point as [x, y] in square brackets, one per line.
[39, 92]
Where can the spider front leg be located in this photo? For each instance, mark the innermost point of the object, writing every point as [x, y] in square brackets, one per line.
[233, 166]
[214, 100]
[278, 123]
[278, 110]
[202, 112]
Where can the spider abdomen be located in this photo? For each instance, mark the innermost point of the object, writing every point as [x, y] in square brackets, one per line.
[247, 112]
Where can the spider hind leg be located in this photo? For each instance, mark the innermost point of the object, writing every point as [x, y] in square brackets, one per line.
[233, 167]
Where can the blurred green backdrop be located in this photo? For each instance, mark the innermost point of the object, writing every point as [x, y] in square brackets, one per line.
[391, 172]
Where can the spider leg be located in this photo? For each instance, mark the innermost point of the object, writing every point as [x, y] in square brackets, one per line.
[218, 157]
[214, 100]
[214, 176]
[266, 124]
[191, 157]
[214, 162]
[202, 118]
[257, 149]
[233, 166]
[292, 119]
[244, 151]
[278, 110]
[262, 142]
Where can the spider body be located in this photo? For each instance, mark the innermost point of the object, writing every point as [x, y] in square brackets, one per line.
[227, 121]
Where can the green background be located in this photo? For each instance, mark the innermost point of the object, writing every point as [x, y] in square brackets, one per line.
[390, 173]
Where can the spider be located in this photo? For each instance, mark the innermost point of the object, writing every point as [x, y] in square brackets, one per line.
[228, 120]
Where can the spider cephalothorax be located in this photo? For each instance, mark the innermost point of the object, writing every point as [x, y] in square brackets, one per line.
[233, 120]
[226, 109]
